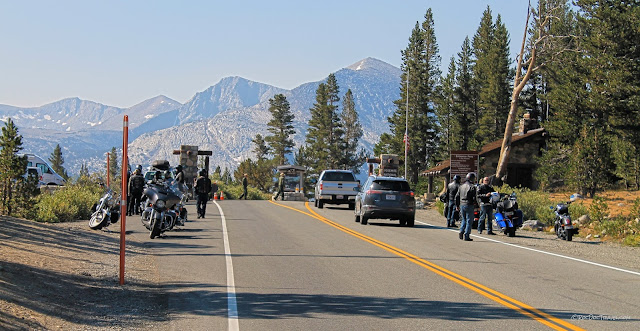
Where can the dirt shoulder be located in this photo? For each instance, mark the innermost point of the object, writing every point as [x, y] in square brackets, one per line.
[65, 276]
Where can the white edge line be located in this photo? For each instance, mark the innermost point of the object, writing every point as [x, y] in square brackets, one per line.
[543, 252]
[232, 306]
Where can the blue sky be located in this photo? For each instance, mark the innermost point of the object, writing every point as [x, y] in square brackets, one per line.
[123, 52]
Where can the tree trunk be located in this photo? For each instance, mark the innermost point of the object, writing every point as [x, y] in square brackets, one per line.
[518, 85]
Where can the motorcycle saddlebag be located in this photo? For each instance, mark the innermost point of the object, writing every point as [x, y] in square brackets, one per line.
[500, 220]
[160, 165]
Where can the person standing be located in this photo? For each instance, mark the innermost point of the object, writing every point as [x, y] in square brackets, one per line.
[245, 182]
[202, 187]
[180, 178]
[280, 187]
[136, 185]
[452, 190]
[486, 208]
[467, 197]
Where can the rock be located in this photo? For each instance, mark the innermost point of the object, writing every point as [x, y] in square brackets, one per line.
[419, 204]
[589, 236]
[584, 219]
[533, 225]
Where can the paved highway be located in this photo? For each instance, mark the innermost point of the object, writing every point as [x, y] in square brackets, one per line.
[261, 265]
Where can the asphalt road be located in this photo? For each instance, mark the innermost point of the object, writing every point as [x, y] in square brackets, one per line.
[291, 266]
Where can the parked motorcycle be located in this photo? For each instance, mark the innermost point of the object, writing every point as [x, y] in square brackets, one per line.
[562, 222]
[507, 216]
[164, 208]
[105, 212]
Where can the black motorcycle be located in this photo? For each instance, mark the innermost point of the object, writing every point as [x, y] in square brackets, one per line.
[562, 221]
[163, 207]
[105, 212]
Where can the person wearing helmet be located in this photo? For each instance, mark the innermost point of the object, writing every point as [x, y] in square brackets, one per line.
[467, 197]
[136, 186]
[486, 207]
[452, 212]
[202, 188]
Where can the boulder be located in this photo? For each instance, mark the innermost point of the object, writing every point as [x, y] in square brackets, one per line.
[584, 219]
[534, 225]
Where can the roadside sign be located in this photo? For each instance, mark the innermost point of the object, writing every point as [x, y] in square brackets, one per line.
[462, 163]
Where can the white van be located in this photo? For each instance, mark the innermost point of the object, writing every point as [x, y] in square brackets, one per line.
[49, 177]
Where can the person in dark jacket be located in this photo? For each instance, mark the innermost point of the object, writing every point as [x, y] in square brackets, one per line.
[452, 190]
[202, 188]
[136, 185]
[280, 187]
[467, 197]
[245, 182]
[486, 208]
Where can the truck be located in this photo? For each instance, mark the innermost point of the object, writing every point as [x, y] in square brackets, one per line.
[336, 187]
[48, 175]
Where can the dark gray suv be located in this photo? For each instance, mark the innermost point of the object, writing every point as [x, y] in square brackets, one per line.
[385, 197]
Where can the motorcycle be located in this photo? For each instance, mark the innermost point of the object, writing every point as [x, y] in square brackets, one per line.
[562, 221]
[507, 216]
[163, 208]
[105, 212]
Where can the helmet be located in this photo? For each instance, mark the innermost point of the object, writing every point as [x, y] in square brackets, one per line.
[470, 176]
[179, 168]
[456, 179]
[202, 172]
[139, 167]
[167, 174]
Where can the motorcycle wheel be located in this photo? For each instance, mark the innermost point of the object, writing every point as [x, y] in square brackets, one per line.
[155, 228]
[98, 220]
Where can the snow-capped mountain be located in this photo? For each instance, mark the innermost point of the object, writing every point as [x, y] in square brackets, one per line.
[223, 118]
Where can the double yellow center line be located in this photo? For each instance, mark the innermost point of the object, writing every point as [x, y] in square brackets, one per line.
[540, 316]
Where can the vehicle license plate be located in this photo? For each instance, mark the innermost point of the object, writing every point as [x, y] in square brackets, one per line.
[391, 197]
[339, 197]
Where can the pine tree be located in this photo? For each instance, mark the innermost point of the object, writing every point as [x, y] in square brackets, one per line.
[336, 132]
[261, 149]
[466, 116]
[12, 166]
[57, 161]
[352, 157]
[446, 113]
[281, 128]
[420, 61]
[114, 169]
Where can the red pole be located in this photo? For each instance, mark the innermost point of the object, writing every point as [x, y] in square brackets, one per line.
[123, 200]
[108, 168]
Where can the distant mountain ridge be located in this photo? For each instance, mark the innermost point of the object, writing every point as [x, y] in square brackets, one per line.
[223, 118]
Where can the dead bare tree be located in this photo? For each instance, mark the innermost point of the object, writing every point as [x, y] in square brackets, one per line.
[540, 41]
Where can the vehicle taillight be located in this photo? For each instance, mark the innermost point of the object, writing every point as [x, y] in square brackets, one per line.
[410, 193]
[373, 192]
[321, 186]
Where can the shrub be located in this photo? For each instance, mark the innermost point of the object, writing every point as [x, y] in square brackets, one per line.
[534, 204]
[440, 206]
[69, 203]
[232, 191]
[599, 210]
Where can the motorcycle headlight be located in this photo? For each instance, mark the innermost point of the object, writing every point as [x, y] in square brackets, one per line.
[160, 203]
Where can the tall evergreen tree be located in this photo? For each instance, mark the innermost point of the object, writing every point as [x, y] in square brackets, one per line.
[466, 116]
[57, 161]
[12, 166]
[281, 128]
[352, 157]
[420, 61]
[446, 112]
[261, 149]
[114, 169]
[492, 76]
